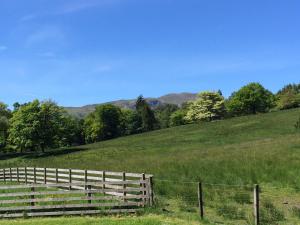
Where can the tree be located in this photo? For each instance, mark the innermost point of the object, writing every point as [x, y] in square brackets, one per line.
[103, 124]
[147, 115]
[250, 99]
[38, 126]
[288, 97]
[25, 124]
[178, 118]
[207, 107]
[163, 114]
[5, 114]
[131, 122]
[295, 88]
[288, 100]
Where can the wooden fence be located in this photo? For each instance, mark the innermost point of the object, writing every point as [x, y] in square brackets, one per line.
[50, 192]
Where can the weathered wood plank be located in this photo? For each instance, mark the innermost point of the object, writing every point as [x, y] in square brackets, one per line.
[72, 192]
[64, 213]
[94, 198]
[69, 206]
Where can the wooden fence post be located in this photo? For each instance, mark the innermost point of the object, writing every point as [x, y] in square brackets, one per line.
[200, 200]
[256, 204]
[4, 175]
[56, 175]
[103, 180]
[32, 196]
[18, 176]
[25, 169]
[124, 186]
[34, 175]
[90, 194]
[85, 180]
[151, 191]
[45, 175]
[144, 193]
[10, 174]
[70, 179]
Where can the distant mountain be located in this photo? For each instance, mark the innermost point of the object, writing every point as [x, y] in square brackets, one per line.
[174, 98]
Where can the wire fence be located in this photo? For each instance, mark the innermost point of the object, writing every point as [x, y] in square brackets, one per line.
[231, 204]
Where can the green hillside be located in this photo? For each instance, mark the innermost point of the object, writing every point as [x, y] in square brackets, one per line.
[262, 149]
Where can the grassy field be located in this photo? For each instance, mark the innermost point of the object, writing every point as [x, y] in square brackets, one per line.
[262, 149]
[143, 220]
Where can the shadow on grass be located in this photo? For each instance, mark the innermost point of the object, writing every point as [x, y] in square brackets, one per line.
[35, 155]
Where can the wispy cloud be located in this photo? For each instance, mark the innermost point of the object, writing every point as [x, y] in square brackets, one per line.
[102, 68]
[47, 54]
[28, 17]
[45, 34]
[70, 7]
[3, 48]
[76, 6]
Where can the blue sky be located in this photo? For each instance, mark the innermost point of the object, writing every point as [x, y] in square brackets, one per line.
[78, 52]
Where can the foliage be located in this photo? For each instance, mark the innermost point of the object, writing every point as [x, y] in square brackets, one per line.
[147, 115]
[104, 123]
[250, 99]
[163, 114]
[295, 88]
[5, 114]
[178, 118]
[131, 122]
[37, 126]
[288, 100]
[207, 107]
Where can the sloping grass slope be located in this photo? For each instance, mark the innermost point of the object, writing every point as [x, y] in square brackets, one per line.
[253, 149]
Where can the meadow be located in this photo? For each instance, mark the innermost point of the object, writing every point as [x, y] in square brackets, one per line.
[239, 152]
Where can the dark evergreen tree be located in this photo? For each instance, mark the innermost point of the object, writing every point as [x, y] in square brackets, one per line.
[146, 114]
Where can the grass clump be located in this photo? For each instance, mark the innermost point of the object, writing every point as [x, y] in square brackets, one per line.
[270, 214]
[231, 211]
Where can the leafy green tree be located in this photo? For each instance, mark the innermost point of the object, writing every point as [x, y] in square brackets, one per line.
[5, 114]
[38, 126]
[207, 107]
[163, 114]
[131, 122]
[103, 124]
[178, 118]
[71, 131]
[288, 97]
[294, 88]
[25, 127]
[147, 115]
[288, 100]
[250, 99]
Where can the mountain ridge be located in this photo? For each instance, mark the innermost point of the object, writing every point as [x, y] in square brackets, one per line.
[171, 98]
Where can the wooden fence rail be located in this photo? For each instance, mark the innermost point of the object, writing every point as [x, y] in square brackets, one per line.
[51, 191]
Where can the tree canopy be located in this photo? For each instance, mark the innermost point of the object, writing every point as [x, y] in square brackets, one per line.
[250, 99]
[146, 114]
[37, 126]
[207, 107]
[104, 123]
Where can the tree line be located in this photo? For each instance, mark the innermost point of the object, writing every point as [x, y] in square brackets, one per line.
[37, 126]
